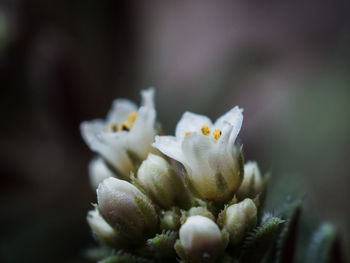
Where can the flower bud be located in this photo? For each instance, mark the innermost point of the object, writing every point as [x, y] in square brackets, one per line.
[197, 211]
[103, 232]
[161, 183]
[239, 219]
[126, 209]
[252, 181]
[200, 240]
[170, 220]
[98, 171]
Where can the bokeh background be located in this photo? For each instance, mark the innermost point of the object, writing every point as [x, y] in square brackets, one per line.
[61, 62]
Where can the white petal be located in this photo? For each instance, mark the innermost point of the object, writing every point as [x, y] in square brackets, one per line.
[141, 135]
[170, 146]
[119, 110]
[221, 154]
[98, 171]
[89, 130]
[112, 147]
[196, 149]
[147, 98]
[191, 122]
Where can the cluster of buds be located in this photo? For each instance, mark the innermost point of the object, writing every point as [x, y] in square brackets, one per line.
[151, 208]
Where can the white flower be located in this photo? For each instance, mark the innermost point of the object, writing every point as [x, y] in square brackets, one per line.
[252, 183]
[162, 184]
[201, 239]
[125, 135]
[239, 219]
[127, 209]
[208, 153]
[98, 171]
[101, 229]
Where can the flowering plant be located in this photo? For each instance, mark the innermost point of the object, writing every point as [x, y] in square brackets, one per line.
[210, 210]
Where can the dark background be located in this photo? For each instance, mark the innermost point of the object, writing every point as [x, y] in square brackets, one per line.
[62, 62]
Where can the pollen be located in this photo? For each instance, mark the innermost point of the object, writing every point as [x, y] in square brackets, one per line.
[205, 129]
[132, 117]
[125, 126]
[112, 127]
[187, 133]
[217, 134]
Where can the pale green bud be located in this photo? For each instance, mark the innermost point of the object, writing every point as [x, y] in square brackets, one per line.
[98, 171]
[200, 240]
[170, 220]
[103, 232]
[126, 209]
[161, 183]
[252, 181]
[240, 218]
[197, 211]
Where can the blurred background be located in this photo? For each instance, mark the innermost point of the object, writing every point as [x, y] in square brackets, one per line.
[62, 62]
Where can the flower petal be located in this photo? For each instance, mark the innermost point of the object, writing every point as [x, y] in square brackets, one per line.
[191, 122]
[170, 146]
[111, 146]
[89, 130]
[119, 110]
[141, 135]
[98, 171]
[196, 149]
[233, 117]
[147, 98]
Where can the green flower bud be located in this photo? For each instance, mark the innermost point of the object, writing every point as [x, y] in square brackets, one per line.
[103, 232]
[200, 240]
[170, 220]
[252, 182]
[239, 218]
[126, 209]
[197, 211]
[161, 183]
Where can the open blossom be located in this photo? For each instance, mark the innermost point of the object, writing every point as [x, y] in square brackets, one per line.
[126, 135]
[207, 151]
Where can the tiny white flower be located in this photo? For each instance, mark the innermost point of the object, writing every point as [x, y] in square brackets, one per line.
[163, 185]
[127, 209]
[252, 183]
[125, 135]
[101, 229]
[201, 239]
[207, 151]
[98, 171]
[239, 219]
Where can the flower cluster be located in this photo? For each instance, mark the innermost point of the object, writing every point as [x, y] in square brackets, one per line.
[160, 198]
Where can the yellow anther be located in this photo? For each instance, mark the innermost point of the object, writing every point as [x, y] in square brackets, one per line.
[205, 129]
[217, 134]
[187, 133]
[112, 127]
[125, 126]
[132, 117]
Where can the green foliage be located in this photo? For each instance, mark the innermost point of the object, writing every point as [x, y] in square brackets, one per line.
[163, 244]
[123, 257]
[259, 240]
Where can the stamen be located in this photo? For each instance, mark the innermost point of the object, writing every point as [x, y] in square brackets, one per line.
[217, 134]
[187, 133]
[125, 126]
[132, 116]
[112, 127]
[205, 129]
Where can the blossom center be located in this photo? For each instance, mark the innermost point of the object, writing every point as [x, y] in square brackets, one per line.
[124, 126]
[205, 129]
[217, 134]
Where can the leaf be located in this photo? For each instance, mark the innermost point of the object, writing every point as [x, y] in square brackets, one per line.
[284, 247]
[163, 244]
[324, 245]
[259, 240]
[123, 257]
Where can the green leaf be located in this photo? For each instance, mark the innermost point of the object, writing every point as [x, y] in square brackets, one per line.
[163, 244]
[324, 245]
[284, 247]
[258, 242]
[123, 257]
